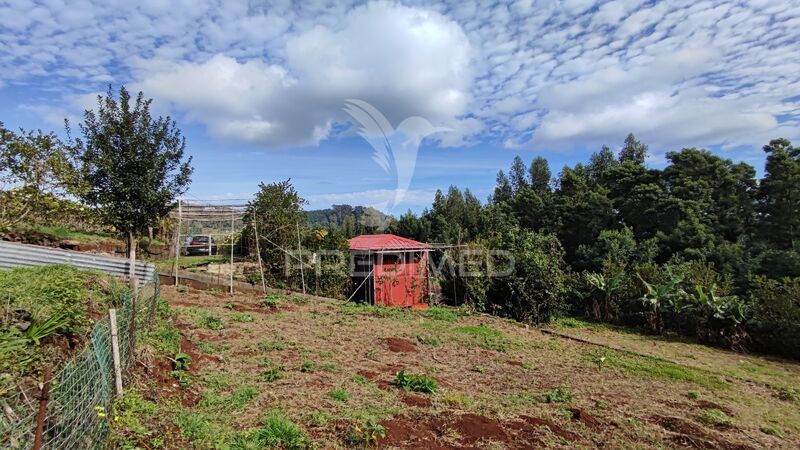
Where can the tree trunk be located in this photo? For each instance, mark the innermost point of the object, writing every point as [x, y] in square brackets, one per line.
[132, 258]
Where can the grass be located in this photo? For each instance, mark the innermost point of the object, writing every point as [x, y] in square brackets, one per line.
[715, 417]
[643, 366]
[189, 262]
[62, 233]
[340, 383]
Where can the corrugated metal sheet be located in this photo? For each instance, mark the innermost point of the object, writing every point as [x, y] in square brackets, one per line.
[385, 242]
[13, 254]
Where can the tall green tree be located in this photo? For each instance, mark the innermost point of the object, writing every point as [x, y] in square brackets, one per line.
[502, 190]
[131, 164]
[779, 196]
[633, 151]
[540, 176]
[518, 175]
[277, 208]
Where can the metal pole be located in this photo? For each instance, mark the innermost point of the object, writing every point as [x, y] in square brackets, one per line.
[258, 250]
[300, 254]
[177, 242]
[44, 396]
[232, 238]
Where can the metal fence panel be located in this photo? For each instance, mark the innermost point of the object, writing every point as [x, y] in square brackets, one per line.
[82, 391]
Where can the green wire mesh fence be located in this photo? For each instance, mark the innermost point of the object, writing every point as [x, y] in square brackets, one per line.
[81, 393]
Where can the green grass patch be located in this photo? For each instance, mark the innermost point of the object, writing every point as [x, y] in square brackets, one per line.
[559, 394]
[340, 395]
[277, 431]
[480, 330]
[644, 366]
[715, 417]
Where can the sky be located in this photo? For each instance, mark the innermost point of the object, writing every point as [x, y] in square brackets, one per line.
[260, 89]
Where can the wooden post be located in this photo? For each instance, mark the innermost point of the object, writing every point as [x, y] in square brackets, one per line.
[132, 327]
[44, 396]
[300, 254]
[112, 317]
[232, 238]
[258, 250]
[177, 242]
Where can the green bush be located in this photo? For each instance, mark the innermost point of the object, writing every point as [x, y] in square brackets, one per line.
[775, 326]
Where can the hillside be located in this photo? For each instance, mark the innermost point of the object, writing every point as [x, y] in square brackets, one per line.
[292, 372]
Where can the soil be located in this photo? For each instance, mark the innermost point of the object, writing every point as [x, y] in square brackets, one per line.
[400, 345]
[368, 374]
[584, 417]
[416, 400]
[690, 435]
[705, 404]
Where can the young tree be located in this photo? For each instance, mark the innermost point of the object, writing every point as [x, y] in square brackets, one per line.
[131, 164]
[540, 176]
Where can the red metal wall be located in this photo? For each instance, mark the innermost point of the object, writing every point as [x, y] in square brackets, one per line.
[400, 280]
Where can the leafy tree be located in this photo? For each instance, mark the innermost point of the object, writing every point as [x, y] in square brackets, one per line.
[502, 191]
[38, 169]
[600, 163]
[607, 286]
[633, 151]
[779, 196]
[518, 175]
[540, 176]
[277, 209]
[131, 164]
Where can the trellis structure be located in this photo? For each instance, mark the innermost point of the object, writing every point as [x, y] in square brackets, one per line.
[221, 221]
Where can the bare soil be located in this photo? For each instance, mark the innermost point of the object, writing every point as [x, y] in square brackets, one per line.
[491, 389]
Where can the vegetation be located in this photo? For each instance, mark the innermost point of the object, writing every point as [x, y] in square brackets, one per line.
[129, 165]
[700, 247]
[416, 383]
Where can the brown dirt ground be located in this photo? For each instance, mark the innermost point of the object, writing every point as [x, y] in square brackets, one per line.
[487, 397]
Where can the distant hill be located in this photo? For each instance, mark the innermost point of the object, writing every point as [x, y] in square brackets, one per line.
[352, 219]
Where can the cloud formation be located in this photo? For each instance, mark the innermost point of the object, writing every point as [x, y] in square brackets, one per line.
[527, 74]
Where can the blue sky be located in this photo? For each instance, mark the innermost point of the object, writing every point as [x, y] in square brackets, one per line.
[259, 88]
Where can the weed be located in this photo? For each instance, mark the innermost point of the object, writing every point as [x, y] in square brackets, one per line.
[271, 301]
[242, 318]
[181, 361]
[242, 396]
[367, 434]
[773, 431]
[308, 366]
[371, 354]
[328, 367]
[229, 305]
[318, 418]
[715, 417]
[416, 383]
[214, 291]
[427, 340]
[192, 425]
[478, 369]
[272, 345]
[280, 432]
[457, 399]
[182, 288]
[183, 378]
[653, 367]
[340, 395]
[359, 379]
[692, 395]
[788, 394]
[527, 366]
[601, 404]
[559, 394]
[211, 322]
[272, 374]
[447, 314]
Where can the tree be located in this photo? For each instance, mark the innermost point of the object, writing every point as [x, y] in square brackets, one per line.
[502, 190]
[277, 208]
[779, 196]
[540, 176]
[518, 175]
[633, 151]
[600, 163]
[38, 169]
[131, 164]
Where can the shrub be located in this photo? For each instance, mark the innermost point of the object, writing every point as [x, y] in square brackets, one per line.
[369, 433]
[272, 374]
[416, 383]
[212, 322]
[278, 431]
[775, 326]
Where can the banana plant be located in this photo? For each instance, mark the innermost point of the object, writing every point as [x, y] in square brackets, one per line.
[660, 297]
[608, 286]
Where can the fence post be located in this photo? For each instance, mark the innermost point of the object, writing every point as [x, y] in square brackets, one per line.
[44, 396]
[112, 317]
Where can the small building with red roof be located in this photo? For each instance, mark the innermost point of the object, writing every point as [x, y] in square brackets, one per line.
[390, 270]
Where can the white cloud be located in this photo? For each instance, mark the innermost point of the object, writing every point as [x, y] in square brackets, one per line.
[376, 198]
[565, 72]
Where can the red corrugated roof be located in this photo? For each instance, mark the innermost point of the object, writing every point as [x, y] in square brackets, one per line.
[385, 242]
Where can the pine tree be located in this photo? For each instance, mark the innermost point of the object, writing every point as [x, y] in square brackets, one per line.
[540, 176]
[779, 195]
[633, 151]
[517, 175]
